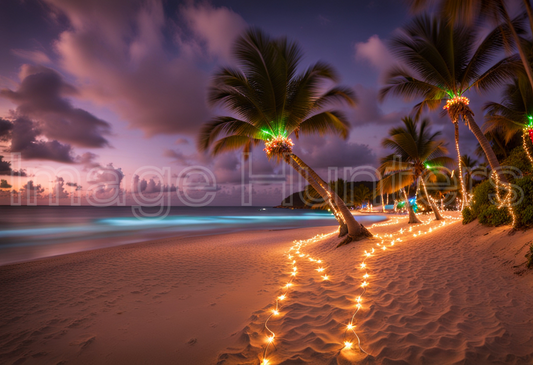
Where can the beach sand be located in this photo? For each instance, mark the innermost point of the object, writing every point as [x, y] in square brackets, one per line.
[460, 294]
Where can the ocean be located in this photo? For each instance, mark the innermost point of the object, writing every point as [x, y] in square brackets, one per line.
[29, 233]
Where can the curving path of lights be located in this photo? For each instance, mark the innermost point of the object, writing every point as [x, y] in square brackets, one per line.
[381, 247]
[295, 253]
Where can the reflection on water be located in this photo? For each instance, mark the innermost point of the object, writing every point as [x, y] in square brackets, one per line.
[28, 233]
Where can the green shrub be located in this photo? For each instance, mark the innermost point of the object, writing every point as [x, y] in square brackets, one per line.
[518, 159]
[494, 216]
[483, 207]
[524, 210]
[468, 215]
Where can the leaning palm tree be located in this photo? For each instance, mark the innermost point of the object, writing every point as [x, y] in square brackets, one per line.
[469, 166]
[469, 11]
[513, 116]
[417, 154]
[271, 102]
[444, 64]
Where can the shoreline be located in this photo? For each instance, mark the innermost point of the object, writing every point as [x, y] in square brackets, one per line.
[138, 301]
[450, 296]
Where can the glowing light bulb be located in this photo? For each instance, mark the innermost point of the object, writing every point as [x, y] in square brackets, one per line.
[384, 248]
[293, 274]
[358, 305]
[276, 312]
[366, 275]
[358, 300]
[288, 285]
[348, 345]
[265, 362]
[320, 269]
[325, 277]
[319, 261]
[281, 297]
[363, 265]
[349, 326]
[270, 339]
[364, 283]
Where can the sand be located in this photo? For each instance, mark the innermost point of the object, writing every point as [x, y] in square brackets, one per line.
[457, 295]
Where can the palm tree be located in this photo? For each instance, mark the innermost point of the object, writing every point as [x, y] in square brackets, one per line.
[513, 116]
[362, 193]
[271, 102]
[468, 11]
[444, 65]
[417, 153]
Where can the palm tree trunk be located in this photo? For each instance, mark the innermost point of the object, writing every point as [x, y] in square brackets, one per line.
[343, 230]
[485, 145]
[356, 231]
[306, 175]
[412, 216]
[463, 187]
[438, 217]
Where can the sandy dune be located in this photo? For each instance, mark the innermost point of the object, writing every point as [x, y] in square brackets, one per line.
[447, 297]
[457, 295]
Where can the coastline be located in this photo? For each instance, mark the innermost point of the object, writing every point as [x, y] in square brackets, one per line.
[150, 302]
[203, 300]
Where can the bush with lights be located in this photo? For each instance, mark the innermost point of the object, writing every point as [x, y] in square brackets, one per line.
[484, 208]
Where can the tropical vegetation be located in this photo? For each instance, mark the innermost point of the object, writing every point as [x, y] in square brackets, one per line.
[417, 155]
[271, 102]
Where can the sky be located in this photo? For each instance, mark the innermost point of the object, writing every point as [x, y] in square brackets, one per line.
[106, 97]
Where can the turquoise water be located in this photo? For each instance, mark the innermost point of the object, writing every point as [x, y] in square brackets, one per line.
[28, 233]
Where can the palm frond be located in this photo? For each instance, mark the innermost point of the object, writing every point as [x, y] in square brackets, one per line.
[326, 122]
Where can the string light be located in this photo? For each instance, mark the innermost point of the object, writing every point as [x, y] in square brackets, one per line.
[529, 130]
[278, 145]
[365, 283]
[456, 100]
[296, 247]
[507, 200]
[300, 245]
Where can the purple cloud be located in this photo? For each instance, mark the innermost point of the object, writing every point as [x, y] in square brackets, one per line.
[41, 98]
[144, 66]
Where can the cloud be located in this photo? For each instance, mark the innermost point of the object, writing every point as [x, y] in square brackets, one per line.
[58, 190]
[375, 52]
[369, 112]
[41, 98]
[24, 140]
[149, 69]
[32, 189]
[182, 141]
[88, 160]
[5, 129]
[5, 169]
[217, 27]
[34, 56]
[321, 153]
[179, 157]
[151, 186]
[4, 184]
[104, 181]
